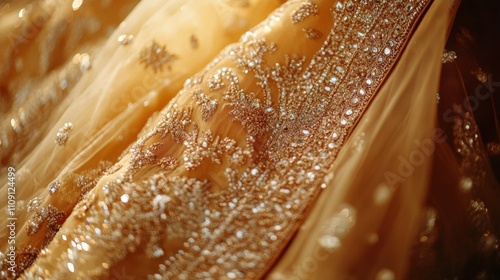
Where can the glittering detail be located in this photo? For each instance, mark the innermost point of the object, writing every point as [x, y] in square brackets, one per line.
[208, 106]
[216, 81]
[83, 60]
[448, 56]
[83, 205]
[175, 124]
[49, 214]
[201, 146]
[156, 57]
[63, 134]
[312, 33]
[53, 187]
[33, 204]
[468, 146]
[482, 243]
[87, 180]
[247, 109]
[428, 236]
[25, 258]
[474, 162]
[76, 4]
[297, 114]
[46, 220]
[125, 39]
[305, 10]
[193, 40]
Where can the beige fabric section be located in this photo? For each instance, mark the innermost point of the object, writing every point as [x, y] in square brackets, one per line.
[380, 178]
[136, 112]
[112, 102]
[377, 184]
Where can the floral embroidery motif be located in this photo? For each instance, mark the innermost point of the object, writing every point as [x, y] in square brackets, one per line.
[305, 10]
[296, 122]
[156, 56]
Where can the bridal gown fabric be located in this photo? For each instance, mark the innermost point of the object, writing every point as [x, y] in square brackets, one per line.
[238, 140]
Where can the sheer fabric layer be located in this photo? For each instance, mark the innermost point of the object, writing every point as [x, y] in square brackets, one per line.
[235, 191]
[223, 176]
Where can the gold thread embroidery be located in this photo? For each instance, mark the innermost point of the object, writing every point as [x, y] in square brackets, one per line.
[63, 134]
[53, 187]
[304, 110]
[312, 33]
[156, 56]
[208, 106]
[304, 11]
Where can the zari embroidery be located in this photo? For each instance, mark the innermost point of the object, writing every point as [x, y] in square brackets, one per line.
[296, 125]
[63, 134]
[305, 10]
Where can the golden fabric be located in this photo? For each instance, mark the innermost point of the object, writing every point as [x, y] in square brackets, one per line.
[182, 142]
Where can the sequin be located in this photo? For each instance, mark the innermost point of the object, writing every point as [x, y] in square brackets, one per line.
[125, 39]
[124, 198]
[85, 63]
[208, 106]
[305, 10]
[76, 4]
[62, 136]
[448, 56]
[54, 187]
[312, 33]
[248, 221]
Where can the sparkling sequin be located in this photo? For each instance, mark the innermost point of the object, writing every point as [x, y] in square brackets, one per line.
[448, 56]
[54, 187]
[76, 4]
[208, 106]
[305, 10]
[247, 109]
[85, 63]
[169, 163]
[293, 117]
[125, 39]
[63, 134]
[312, 33]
